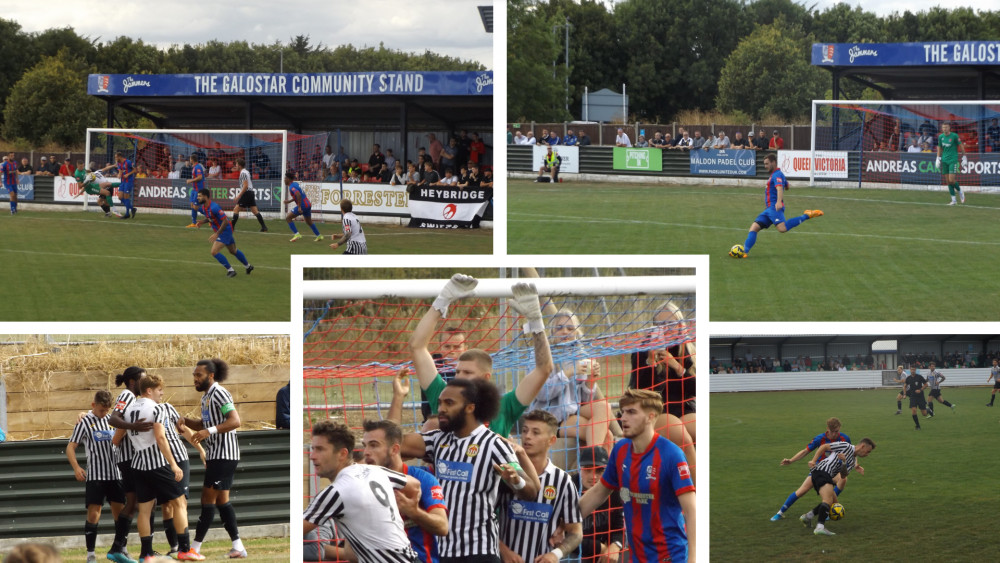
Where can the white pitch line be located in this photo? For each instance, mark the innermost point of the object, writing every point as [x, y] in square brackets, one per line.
[577, 220]
[140, 258]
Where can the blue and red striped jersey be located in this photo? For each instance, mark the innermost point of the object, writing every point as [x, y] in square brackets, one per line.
[649, 484]
[777, 179]
[431, 496]
[9, 170]
[124, 169]
[215, 215]
[299, 196]
[198, 170]
[824, 439]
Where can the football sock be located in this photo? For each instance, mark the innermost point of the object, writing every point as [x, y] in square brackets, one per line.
[992, 397]
[194, 216]
[147, 546]
[795, 221]
[238, 545]
[13, 206]
[228, 516]
[152, 520]
[236, 217]
[168, 529]
[196, 546]
[122, 526]
[106, 208]
[751, 240]
[899, 405]
[836, 490]
[260, 219]
[222, 260]
[951, 190]
[946, 403]
[291, 226]
[204, 523]
[183, 540]
[789, 502]
[916, 421]
[315, 230]
[930, 409]
[241, 257]
[90, 535]
[824, 512]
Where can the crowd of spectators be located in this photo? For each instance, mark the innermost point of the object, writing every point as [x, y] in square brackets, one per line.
[765, 364]
[685, 139]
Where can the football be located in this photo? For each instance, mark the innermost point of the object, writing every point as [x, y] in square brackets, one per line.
[837, 511]
[737, 251]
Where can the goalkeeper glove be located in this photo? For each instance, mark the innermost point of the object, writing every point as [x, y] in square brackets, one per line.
[937, 162]
[525, 302]
[459, 286]
[965, 160]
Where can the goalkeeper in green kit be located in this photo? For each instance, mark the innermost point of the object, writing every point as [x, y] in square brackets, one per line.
[947, 154]
[94, 183]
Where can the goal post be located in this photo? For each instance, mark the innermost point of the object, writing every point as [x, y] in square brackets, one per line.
[161, 158]
[356, 337]
[893, 144]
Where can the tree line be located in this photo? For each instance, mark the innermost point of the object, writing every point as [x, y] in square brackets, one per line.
[744, 58]
[43, 75]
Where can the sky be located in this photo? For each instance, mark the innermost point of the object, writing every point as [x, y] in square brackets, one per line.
[451, 27]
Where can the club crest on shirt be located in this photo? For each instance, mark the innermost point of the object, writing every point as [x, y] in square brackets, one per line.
[549, 492]
[120, 405]
[472, 451]
[651, 472]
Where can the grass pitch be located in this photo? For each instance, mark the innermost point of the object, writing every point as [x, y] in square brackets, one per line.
[875, 255]
[265, 550]
[65, 266]
[924, 494]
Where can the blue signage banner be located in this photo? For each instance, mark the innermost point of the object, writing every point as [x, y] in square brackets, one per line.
[292, 85]
[907, 54]
[730, 162]
[25, 189]
[171, 193]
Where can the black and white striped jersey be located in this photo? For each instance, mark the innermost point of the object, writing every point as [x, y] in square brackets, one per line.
[125, 451]
[245, 178]
[465, 468]
[216, 404]
[362, 503]
[832, 463]
[356, 243]
[147, 454]
[174, 439]
[526, 526]
[95, 435]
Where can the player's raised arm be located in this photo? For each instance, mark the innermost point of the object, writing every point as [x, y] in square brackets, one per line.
[400, 389]
[458, 286]
[525, 302]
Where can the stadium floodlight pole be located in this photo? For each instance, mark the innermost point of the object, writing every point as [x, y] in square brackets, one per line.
[498, 288]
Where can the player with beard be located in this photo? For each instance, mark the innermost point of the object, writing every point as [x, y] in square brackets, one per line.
[655, 483]
[217, 430]
[471, 462]
[423, 518]
[223, 235]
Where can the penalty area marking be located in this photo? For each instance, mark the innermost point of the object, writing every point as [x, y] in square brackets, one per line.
[139, 258]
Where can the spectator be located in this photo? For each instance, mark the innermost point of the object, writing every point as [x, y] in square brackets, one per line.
[473, 180]
[67, 168]
[544, 139]
[925, 147]
[140, 170]
[398, 175]
[914, 147]
[758, 142]
[412, 176]
[738, 141]
[993, 136]
[529, 139]
[214, 169]
[43, 167]
[657, 141]
[603, 530]
[333, 172]
[316, 157]
[583, 140]
[487, 181]
[641, 142]
[464, 143]
[721, 142]
[353, 177]
[354, 168]
[328, 157]
[675, 140]
[550, 163]
[927, 128]
[519, 138]
[622, 140]
[376, 162]
[283, 409]
[570, 139]
[216, 153]
[161, 171]
[435, 148]
[553, 138]
[25, 169]
[449, 155]
[776, 143]
[928, 139]
[430, 177]
[477, 149]
[685, 142]
[178, 164]
[186, 170]
[200, 154]
[390, 161]
[510, 136]
[463, 182]
[316, 170]
[342, 158]
[697, 141]
[449, 178]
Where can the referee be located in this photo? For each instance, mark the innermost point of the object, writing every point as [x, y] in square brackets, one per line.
[246, 199]
[217, 429]
[527, 525]
[470, 460]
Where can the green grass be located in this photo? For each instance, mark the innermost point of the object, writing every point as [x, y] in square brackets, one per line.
[267, 550]
[924, 494]
[875, 255]
[65, 266]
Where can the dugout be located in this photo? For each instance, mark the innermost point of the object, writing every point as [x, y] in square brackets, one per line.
[403, 101]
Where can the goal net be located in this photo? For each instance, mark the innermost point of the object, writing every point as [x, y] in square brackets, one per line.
[161, 158]
[356, 337]
[894, 144]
